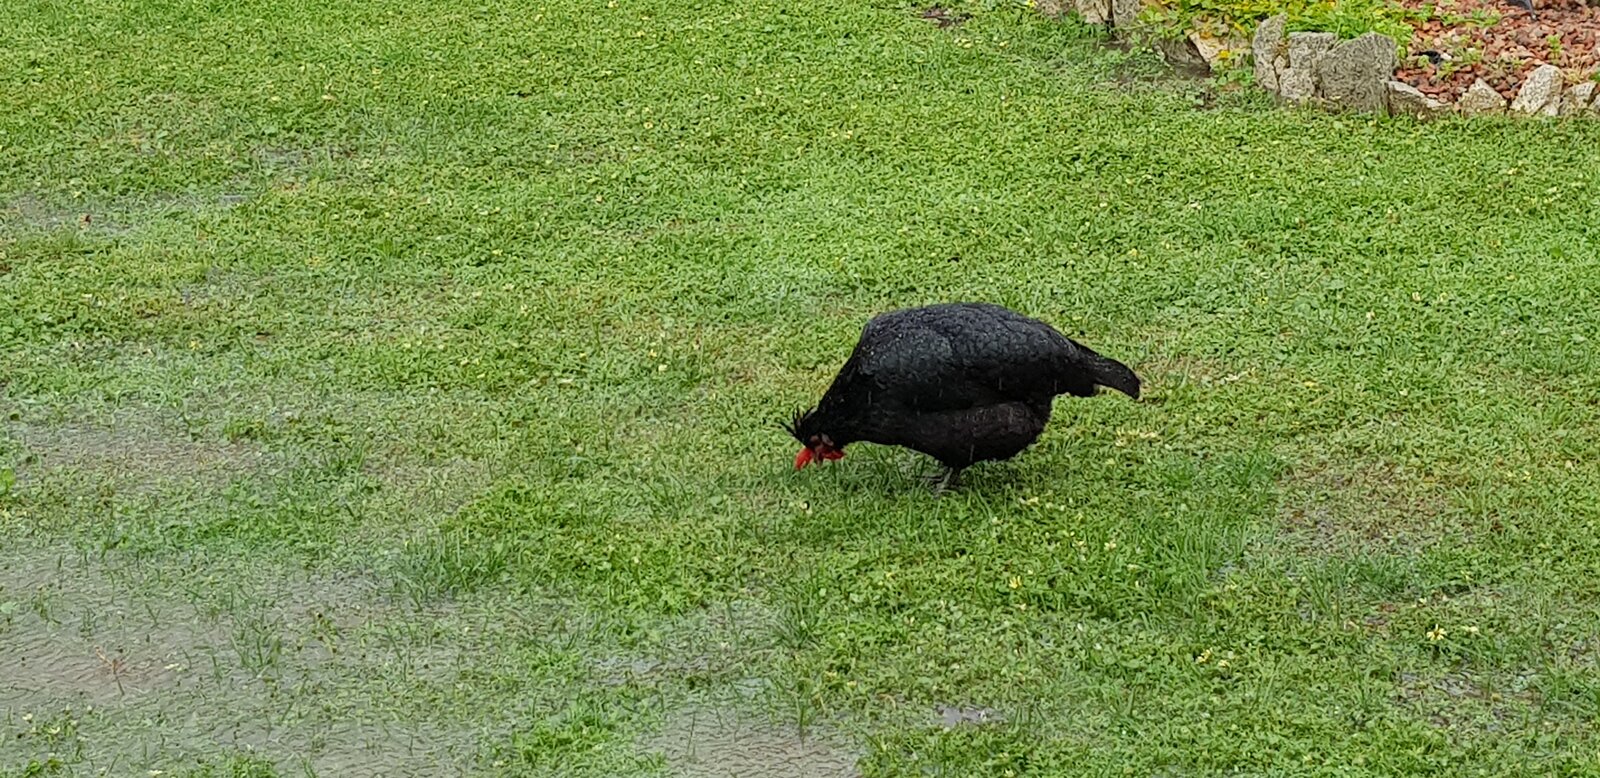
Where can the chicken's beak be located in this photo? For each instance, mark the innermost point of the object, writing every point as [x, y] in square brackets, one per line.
[802, 459]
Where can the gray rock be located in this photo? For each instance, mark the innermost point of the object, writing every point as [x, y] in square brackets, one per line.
[1541, 93]
[1128, 11]
[1305, 48]
[1055, 9]
[1579, 98]
[1353, 75]
[1297, 85]
[1407, 100]
[1480, 98]
[1213, 48]
[1094, 11]
[1267, 50]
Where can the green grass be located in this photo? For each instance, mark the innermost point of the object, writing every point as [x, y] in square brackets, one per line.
[408, 401]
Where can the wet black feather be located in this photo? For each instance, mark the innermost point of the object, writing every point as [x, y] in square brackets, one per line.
[961, 382]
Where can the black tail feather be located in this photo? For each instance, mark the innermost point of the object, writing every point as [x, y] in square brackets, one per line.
[1111, 373]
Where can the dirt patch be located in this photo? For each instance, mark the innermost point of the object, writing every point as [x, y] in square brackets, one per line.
[710, 743]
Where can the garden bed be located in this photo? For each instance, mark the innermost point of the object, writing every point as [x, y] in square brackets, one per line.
[1420, 57]
[1499, 43]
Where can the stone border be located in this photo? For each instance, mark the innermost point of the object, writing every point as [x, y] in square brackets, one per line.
[1315, 68]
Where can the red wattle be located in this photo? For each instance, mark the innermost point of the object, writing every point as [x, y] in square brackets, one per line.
[802, 459]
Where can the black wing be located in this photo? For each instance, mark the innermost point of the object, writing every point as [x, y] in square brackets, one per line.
[961, 355]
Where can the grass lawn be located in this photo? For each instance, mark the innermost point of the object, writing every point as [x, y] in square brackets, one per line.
[406, 403]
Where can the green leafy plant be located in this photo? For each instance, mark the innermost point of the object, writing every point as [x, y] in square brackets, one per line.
[1345, 18]
[1460, 60]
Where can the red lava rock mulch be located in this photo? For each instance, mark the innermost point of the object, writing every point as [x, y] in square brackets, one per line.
[1565, 33]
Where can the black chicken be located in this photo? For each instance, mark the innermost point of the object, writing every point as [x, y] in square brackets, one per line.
[960, 382]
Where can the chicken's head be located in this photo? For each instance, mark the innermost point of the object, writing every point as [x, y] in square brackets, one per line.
[818, 446]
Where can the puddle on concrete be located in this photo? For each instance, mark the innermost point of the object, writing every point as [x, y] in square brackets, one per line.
[711, 743]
